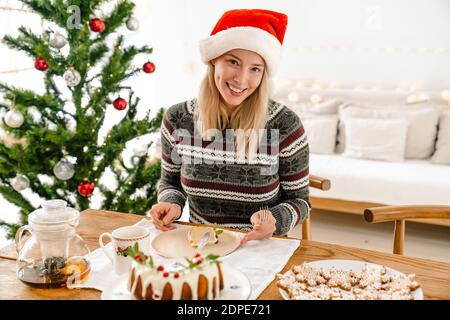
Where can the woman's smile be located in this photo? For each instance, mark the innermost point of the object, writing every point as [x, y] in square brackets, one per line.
[235, 91]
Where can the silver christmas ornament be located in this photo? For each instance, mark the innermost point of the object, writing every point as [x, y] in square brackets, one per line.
[20, 182]
[64, 170]
[72, 77]
[133, 24]
[140, 149]
[14, 118]
[58, 41]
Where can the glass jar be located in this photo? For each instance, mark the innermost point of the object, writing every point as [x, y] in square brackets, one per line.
[53, 254]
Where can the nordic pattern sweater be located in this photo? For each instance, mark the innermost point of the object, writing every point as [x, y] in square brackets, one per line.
[225, 191]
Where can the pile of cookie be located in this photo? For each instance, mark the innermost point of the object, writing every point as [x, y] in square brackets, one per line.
[303, 282]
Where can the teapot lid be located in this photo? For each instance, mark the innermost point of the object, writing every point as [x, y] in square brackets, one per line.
[54, 212]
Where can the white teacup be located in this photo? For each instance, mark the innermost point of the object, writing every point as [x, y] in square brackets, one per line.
[122, 238]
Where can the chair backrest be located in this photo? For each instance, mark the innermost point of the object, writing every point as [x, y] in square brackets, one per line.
[400, 213]
[318, 183]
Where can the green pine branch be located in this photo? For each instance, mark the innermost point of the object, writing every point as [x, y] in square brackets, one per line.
[14, 197]
[121, 12]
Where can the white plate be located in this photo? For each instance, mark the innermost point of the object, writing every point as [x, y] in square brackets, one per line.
[237, 286]
[355, 266]
[175, 244]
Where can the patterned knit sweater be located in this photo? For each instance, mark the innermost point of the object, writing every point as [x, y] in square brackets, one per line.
[226, 192]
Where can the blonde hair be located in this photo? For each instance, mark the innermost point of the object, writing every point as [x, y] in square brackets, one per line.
[250, 116]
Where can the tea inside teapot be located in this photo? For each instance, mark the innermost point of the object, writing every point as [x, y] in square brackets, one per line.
[53, 256]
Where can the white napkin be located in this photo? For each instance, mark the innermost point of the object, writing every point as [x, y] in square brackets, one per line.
[259, 261]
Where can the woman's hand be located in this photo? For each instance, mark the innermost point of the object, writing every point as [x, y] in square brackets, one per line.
[260, 230]
[163, 214]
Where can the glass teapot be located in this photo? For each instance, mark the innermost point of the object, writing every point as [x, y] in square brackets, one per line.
[52, 256]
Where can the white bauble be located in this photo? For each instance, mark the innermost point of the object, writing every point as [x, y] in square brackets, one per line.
[14, 118]
[63, 170]
[20, 182]
[72, 77]
[133, 24]
[58, 41]
[140, 149]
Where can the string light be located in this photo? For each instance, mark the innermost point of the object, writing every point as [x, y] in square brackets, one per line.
[315, 98]
[300, 84]
[446, 95]
[417, 97]
[344, 47]
[293, 97]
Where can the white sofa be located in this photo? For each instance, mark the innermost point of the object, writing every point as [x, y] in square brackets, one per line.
[361, 177]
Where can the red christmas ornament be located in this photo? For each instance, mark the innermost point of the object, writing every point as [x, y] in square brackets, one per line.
[41, 64]
[85, 188]
[97, 25]
[120, 103]
[148, 67]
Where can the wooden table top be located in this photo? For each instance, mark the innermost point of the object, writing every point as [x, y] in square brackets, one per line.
[433, 276]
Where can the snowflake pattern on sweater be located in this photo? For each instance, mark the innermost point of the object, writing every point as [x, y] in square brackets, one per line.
[224, 190]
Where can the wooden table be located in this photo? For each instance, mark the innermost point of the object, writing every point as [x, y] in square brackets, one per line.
[433, 276]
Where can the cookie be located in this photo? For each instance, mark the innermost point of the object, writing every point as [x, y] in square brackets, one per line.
[309, 275]
[303, 282]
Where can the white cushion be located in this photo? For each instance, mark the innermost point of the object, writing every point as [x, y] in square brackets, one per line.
[422, 127]
[442, 153]
[321, 132]
[394, 183]
[376, 139]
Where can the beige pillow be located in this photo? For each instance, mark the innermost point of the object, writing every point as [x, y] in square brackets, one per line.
[442, 154]
[422, 126]
[321, 132]
[376, 139]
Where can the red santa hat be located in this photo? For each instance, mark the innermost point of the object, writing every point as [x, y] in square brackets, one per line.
[261, 31]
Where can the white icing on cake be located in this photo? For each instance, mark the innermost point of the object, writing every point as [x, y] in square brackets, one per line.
[149, 275]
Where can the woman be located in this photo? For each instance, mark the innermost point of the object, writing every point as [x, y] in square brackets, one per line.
[234, 153]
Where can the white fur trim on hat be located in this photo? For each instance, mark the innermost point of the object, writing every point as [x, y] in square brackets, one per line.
[248, 38]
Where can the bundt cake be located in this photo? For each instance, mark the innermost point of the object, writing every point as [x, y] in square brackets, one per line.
[200, 279]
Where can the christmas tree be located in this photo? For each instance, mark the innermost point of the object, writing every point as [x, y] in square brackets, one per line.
[44, 138]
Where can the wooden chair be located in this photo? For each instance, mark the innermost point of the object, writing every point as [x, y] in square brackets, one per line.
[400, 213]
[319, 183]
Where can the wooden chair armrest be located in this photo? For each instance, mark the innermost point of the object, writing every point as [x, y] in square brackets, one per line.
[319, 183]
[390, 213]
